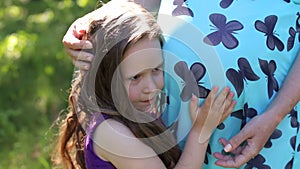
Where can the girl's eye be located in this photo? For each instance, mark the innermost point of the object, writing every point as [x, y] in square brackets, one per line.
[136, 77]
[157, 69]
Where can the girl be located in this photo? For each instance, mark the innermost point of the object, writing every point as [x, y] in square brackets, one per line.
[116, 106]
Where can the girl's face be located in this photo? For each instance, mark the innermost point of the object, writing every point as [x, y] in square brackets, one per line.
[142, 71]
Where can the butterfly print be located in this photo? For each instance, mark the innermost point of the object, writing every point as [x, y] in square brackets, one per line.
[181, 10]
[275, 135]
[293, 142]
[269, 69]
[267, 27]
[221, 126]
[289, 165]
[224, 31]
[294, 119]
[244, 113]
[208, 151]
[293, 32]
[257, 162]
[191, 78]
[236, 77]
[225, 3]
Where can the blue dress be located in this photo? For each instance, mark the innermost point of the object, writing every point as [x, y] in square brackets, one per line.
[248, 45]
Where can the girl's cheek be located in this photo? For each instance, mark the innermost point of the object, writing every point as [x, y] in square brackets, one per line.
[161, 80]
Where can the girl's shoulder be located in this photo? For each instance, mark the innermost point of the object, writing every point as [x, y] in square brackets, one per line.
[112, 138]
[112, 128]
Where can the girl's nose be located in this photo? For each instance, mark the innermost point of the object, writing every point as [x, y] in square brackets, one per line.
[149, 85]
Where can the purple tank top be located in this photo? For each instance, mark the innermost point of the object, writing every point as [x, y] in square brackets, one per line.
[92, 160]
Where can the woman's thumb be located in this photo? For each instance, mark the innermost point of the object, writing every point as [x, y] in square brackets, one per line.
[235, 141]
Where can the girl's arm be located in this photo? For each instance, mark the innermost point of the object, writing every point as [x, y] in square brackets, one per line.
[116, 143]
[213, 111]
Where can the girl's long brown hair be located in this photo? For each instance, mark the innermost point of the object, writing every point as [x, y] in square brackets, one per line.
[112, 29]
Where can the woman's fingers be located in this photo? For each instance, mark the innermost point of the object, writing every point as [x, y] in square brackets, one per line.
[74, 44]
[81, 65]
[73, 37]
[79, 55]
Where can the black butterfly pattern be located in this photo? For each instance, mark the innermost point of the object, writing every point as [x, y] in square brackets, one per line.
[208, 151]
[221, 126]
[224, 31]
[275, 135]
[257, 162]
[294, 119]
[268, 69]
[293, 33]
[181, 10]
[225, 3]
[267, 27]
[237, 77]
[244, 113]
[289, 165]
[191, 78]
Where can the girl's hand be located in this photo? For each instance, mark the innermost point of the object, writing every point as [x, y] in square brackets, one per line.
[214, 110]
[74, 44]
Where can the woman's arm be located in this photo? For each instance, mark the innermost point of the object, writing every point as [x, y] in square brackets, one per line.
[287, 97]
[289, 94]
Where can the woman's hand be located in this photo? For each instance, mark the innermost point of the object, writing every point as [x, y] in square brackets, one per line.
[214, 110]
[74, 44]
[247, 143]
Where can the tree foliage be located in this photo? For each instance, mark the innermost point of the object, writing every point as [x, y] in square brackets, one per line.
[35, 75]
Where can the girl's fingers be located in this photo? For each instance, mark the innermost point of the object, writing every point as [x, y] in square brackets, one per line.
[219, 102]
[194, 107]
[223, 104]
[228, 111]
[229, 106]
[211, 96]
[213, 116]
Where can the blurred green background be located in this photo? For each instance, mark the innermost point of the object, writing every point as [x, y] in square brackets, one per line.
[35, 75]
